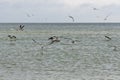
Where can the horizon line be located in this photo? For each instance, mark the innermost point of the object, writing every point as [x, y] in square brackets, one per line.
[59, 22]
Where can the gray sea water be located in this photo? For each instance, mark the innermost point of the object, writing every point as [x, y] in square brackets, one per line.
[91, 57]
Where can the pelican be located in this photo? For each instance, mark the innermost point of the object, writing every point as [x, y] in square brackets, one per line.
[12, 38]
[72, 18]
[54, 39]
[21, 27]
[108, 38]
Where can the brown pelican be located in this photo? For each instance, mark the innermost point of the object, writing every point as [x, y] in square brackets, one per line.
[12, 38]
[21, 27]
[54, 39]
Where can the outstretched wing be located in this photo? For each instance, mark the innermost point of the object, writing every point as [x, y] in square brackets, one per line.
[72, 18]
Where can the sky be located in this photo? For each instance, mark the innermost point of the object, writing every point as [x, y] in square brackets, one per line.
[55, 11]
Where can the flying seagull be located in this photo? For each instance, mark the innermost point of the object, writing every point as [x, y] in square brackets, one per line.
[72, 18]
[106, 17]
[29, 15]
[95, 9]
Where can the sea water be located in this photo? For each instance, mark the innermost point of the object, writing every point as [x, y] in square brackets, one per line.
[32, 57]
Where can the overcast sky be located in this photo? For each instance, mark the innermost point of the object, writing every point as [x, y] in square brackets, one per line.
[59, 10]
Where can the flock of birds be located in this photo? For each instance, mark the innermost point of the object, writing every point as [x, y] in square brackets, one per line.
[54, 39]
[12, 37]
[95, 9]
[21, 28]
[29, 15]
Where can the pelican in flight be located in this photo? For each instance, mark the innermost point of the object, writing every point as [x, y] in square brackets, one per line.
[54, 39]
[72, 18]
[21, 27]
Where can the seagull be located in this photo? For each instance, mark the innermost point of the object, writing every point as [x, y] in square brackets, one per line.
[107, 16]
[29, 15]
[95, 9]
[72, 18]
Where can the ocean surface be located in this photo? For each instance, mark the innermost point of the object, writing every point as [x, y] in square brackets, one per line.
[32, 57]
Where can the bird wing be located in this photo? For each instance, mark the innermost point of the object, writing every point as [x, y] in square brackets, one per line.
[72, 18]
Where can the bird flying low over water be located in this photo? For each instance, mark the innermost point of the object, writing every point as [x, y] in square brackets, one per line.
[108, 38]
[21, 27]
[72, 18]
[54, 39]
[12, 38]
